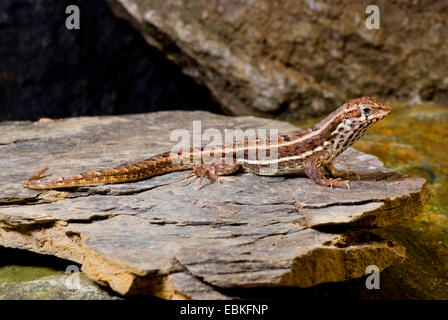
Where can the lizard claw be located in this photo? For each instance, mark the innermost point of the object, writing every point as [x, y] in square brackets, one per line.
[338, 183]
[204, 171]
[189, 174]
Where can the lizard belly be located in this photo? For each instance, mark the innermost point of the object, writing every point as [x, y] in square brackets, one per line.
[279, 169]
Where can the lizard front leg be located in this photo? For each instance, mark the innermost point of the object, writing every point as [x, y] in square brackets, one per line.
[313, 172]
[213, 170]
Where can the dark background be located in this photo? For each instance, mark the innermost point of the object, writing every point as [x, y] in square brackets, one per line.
[105, 67]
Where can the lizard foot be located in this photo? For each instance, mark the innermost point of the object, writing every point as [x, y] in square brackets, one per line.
[314, 174]
[213, 170]
[338, 183]
[204, 171]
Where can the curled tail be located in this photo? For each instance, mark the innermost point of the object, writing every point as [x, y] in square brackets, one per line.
[156, 165]
[33, 182]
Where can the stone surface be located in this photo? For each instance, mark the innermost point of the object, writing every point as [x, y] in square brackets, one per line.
[54, 288]
[167, 237]
[291, 58]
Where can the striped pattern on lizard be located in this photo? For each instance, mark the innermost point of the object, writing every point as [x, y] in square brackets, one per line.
[304, 151]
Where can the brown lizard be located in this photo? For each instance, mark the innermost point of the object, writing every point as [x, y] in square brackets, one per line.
[306, 151]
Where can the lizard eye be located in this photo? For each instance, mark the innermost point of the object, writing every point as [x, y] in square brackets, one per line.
[366, 110]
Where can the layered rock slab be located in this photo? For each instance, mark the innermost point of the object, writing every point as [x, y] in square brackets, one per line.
[168, 237]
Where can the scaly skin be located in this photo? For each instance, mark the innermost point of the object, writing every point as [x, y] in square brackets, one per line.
[306, 150]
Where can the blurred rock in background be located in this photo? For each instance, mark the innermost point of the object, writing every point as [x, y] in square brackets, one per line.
[105, 67]
[288, 59]
[292, 58]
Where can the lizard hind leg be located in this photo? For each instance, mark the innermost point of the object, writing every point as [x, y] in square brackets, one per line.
[312, 171]
[213, 170]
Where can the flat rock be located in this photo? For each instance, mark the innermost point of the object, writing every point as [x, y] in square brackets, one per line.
[169, 237]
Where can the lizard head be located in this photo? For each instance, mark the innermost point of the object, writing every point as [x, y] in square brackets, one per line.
[364, 111]
[350, 121]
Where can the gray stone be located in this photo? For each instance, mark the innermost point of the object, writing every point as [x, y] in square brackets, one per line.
[169, 237]
[55, 288]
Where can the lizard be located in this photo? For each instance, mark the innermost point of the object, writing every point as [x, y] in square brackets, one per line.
[306, 151]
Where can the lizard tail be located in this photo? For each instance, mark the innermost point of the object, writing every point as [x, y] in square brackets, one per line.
[156, 165]
[91, 177]
[33, 182]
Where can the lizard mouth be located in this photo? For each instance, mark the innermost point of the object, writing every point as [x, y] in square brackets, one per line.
[380, 115]
[384, 112]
